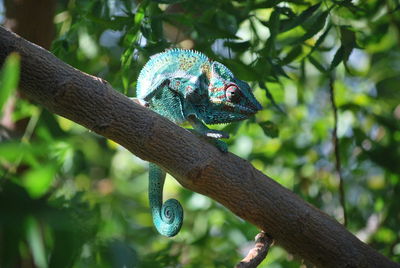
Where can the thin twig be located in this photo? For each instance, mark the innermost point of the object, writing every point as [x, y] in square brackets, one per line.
[336, 147]
[257, 254]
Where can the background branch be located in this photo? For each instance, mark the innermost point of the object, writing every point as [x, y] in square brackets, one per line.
[336, 148]
[258, 253]
[297, 226]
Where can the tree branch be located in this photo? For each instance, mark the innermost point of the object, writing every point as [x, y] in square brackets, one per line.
[297, 226]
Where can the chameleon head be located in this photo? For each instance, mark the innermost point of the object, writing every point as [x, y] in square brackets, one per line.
[230, 99]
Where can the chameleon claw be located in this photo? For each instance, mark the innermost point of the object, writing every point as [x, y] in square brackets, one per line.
[215, 134]
[140, 102]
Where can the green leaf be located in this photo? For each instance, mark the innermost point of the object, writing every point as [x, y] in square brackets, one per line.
[277, 67]
[244, 71]
[267, 4]
[226, 21]
[151, 24]
[270, 129]
[214, 33]
[9, 77]
[273, 26]
[238, 46]
[317, 26]
[36, 243]
[132, 36]
[292, 23]
[37, 181]
[127, 57]
[274, 23]
[387, 89]
[270, 97]
[348, 39]
[286, 11]
[321, 38]
[117, 22]
[168, 1]
[316, 64]
[292, 55]
[349, 5]
[339, 56]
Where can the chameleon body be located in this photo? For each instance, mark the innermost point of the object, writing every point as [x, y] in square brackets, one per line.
[185, 85]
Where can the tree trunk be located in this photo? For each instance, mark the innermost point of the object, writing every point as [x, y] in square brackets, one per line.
[31, 19]
[294, 224]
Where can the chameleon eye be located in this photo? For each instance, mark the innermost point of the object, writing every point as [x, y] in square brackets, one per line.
[232, 93]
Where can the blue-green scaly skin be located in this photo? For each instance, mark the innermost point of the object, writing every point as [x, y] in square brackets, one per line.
[185, 85]
[167, 217]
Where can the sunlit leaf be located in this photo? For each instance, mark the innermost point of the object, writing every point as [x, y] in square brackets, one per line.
[270, 97]
[321, 38]
[273, 25]
[169, 1]
[36, 243]
[316, 64]
[348, 4]
[247, 73]
[277, 67]
[318, 24]
[227, 22]
[9, 77]
[387, 88]
[347, 37]
[37, 181]
[238, 46]
[267, 4]
[293, 54]
[338, 58]
[294, 22]
[348, 40]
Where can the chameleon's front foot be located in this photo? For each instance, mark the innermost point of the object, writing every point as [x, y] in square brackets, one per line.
[214, 139]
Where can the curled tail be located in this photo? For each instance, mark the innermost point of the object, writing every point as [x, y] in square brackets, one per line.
[167, 217]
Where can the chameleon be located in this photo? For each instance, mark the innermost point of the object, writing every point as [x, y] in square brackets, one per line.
[187, 86]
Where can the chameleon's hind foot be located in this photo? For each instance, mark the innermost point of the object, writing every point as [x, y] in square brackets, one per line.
[222, 146]
[214, 139]
[203, 130]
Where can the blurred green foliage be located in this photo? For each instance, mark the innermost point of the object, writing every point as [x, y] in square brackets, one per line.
[9, 78]
[69, 198]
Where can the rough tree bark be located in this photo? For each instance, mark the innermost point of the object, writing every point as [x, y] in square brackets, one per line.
[295, 225]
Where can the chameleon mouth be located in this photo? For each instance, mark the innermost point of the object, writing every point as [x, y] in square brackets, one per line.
[248, 111]
[248, 108]
[253, 106]
[230, 113]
